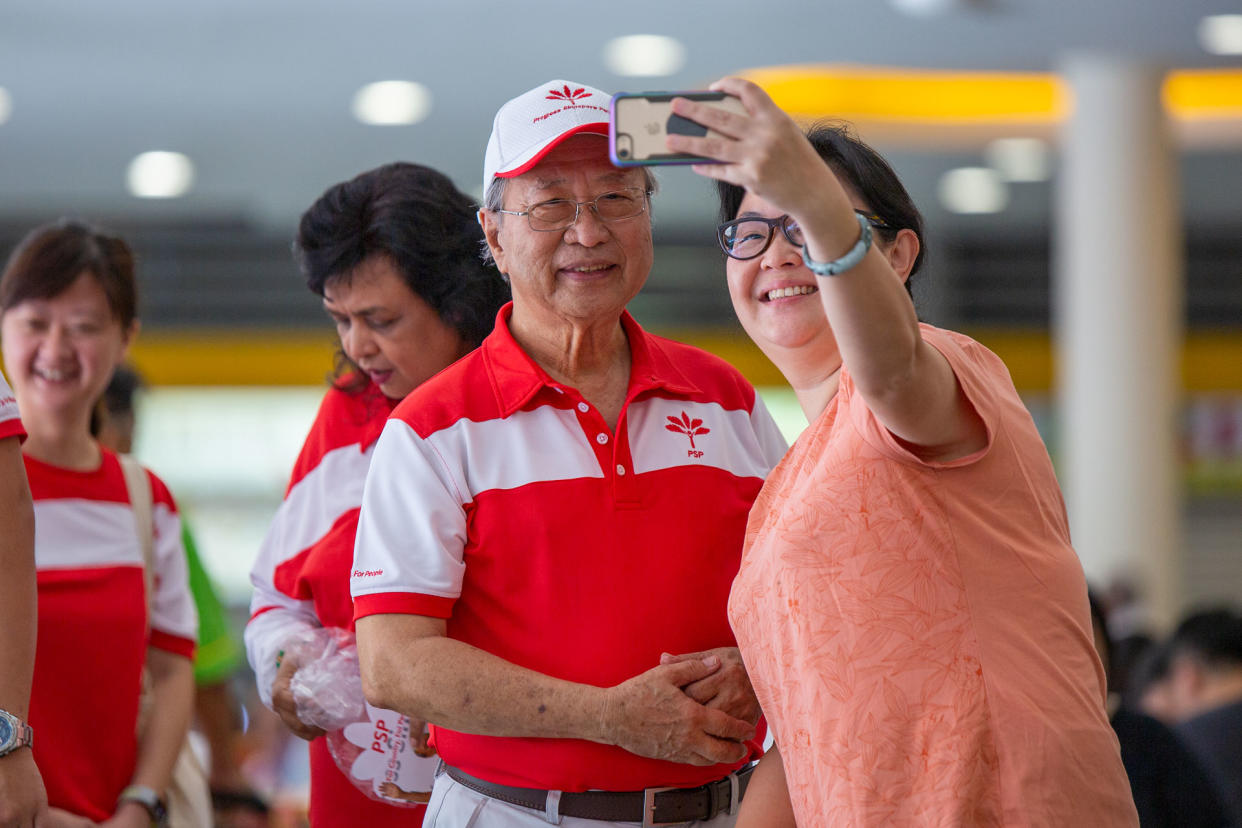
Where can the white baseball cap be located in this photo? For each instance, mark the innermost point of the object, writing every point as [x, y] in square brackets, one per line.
[530, 125]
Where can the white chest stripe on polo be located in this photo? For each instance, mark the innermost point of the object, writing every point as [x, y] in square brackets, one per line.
[316, 502]
[529, 447]
[77, 534]
[666, 434]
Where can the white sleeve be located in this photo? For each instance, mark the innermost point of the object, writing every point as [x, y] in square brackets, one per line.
[771, 441]
[172, 605]
[311, 508]
[409, 550]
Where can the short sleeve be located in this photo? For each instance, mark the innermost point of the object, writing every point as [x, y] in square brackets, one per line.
[771, 441]
[978, 372]
[10, 418]
[174, 620]
[409, 551]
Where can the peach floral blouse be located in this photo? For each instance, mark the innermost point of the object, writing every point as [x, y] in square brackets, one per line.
[918, 633]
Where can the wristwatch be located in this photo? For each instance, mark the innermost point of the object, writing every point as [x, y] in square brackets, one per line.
[14, 733]
[149, 799]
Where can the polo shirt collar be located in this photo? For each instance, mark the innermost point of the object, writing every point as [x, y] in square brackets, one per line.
[516, 378]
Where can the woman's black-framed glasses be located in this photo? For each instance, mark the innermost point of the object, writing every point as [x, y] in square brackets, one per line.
[561, 213]
[747, 238]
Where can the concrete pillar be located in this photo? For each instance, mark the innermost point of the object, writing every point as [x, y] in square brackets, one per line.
[1117, 322]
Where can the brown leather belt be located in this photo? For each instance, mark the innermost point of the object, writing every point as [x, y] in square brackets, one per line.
[653, 806]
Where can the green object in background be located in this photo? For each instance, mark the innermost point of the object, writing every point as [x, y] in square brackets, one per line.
[218, 654]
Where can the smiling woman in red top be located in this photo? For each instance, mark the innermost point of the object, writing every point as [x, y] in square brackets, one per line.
[68, 313]
[909, 607]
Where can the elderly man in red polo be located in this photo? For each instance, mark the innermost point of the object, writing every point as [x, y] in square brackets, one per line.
[551, 525]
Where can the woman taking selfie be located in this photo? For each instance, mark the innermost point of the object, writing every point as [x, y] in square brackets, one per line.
[909, 607]
[394, 253]
[67, 316]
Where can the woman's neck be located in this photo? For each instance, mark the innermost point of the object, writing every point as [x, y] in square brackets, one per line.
[60, 443]
[814, 374]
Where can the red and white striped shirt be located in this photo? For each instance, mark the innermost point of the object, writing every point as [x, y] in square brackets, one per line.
[10, 418]
[93, 630]
[500, 500]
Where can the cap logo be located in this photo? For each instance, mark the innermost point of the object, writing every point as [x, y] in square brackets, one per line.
[570, 97]
[567, 94]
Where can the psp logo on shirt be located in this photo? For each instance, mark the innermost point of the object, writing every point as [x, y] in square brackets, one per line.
[690, 428]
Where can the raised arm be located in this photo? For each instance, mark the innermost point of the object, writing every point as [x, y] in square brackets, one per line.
[22, 797]
[408, 665]
[907, 383]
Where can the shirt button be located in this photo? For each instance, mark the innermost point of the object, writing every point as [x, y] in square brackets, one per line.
[601, 438]
[583, 407]
[620, 469]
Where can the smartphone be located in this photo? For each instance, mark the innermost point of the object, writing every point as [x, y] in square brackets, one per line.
[639, 121]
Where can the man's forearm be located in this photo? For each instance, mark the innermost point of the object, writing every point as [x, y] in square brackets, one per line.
[409, 666]
[458, 686]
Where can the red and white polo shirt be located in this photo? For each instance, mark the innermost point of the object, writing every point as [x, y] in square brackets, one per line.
[10, 418]
[93, 631]
[500, 500]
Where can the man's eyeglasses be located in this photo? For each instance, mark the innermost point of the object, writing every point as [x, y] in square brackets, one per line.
[561, 213]
[747, 238]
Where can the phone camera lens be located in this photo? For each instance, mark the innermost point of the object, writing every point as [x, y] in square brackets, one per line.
[623, 153]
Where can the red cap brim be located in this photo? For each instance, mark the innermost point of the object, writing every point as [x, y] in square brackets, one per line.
[597, 128]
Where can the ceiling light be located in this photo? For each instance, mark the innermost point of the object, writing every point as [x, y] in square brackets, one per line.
[160, 175]
[644, 55]
[6, 105]
[924, 8]
[392, 103]
[973, 190]
[1019, 159]
[1221, 34]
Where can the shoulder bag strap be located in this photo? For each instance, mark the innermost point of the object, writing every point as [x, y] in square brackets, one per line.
[139, 487]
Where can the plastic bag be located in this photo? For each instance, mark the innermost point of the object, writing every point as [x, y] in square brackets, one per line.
[375, 749]
[327, 688]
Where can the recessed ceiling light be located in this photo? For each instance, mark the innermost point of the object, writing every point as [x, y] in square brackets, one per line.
[644, 56]
[392, 103]
[924, 8]
[160, 175]
[6, 105]
[1221, 34]
[1019, 159]
[973, 190]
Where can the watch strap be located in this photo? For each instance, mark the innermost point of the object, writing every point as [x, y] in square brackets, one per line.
[852, 257]
[149, 799]
[23, 734]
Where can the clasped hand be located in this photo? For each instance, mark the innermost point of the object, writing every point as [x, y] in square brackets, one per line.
[690, 709]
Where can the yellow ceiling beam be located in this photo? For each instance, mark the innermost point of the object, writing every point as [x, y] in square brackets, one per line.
[878, 95]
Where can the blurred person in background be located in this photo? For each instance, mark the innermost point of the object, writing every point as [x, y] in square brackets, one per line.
[219, 653]
[1203, 695]
[394, 253]
[909, 607]
[22, 798]
[1170, 787]
[68, 314]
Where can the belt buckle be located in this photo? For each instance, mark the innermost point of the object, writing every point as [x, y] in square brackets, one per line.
[649, 807]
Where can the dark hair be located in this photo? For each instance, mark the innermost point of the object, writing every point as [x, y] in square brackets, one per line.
[863, 170]
[117, 398]
[50, 259]
[428, 229]
[1212, 636]
[1100, 623]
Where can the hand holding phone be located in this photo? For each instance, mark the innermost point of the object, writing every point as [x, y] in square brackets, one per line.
[639, 122]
